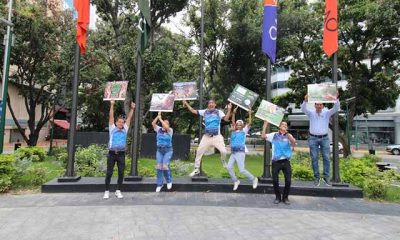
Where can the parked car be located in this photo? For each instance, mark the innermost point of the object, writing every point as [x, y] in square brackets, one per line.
[393, 149]
[340, 146]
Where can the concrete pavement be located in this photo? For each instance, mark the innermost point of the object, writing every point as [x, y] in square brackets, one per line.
[178, 215]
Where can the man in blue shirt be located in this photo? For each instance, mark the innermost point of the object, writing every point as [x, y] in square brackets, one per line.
[116, 148]
[318, 137]
[212, 135]
[282, 146]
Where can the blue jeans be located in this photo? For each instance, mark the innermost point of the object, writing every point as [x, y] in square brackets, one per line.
[163, 158]
[317, 144]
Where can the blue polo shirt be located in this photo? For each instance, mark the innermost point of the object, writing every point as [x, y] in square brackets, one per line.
[238, 140]
[164, 138]
[212, 120]
[117, 138]
[281, 148]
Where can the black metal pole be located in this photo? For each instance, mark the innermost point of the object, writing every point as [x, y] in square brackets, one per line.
[69, 176]
[134, 176]
[201, 176]
[266, 177]
[335, 122]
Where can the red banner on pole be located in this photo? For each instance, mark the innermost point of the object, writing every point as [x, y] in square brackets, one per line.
[82, 23]
[330, 43]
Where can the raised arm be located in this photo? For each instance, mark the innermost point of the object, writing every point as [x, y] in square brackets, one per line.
[194, 111]
[111, 114]
[264, 130]
[334, 109]
[130, 114]
[304, 106]
[249, 120]
[292, 140]
[228, 114]
[163, 123]
[233, 117]
[154, 123]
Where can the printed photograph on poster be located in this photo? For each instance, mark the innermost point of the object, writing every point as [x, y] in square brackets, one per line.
[115, 91]
[270, 112]
[162, 102]
[322, 92]
[185, 91]
[243, 97]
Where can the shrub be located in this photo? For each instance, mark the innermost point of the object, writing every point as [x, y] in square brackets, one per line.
[356, 171]
[58, 151]
[35, 154]
[7, 171]
[301, 172]
[180, 168]
[37, 176]
[375, 188]
[91, 161]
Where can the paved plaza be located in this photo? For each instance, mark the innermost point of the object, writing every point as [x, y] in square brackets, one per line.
[194, 215]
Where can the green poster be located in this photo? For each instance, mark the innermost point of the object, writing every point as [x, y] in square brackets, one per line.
[270, 112]
[243, 97]
[322, 93]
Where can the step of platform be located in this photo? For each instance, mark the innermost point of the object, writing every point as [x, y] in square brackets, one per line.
[185, 184]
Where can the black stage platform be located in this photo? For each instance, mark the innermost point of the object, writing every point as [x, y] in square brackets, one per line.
[185, 184]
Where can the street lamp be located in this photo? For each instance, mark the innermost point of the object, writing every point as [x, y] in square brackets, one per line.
[348, 130]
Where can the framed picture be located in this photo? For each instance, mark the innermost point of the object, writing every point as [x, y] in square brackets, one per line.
[322, 92]
[115, 91]
[162, 102]
[270, 112]
[243, 97]
[185, 91]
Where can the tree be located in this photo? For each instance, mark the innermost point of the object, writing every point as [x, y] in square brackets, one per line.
[36, 56]
[368, 53]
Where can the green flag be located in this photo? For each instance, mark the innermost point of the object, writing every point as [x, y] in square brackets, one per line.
[144, 25]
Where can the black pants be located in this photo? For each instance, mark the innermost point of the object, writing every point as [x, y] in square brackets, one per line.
[111, 160]
[286, 168]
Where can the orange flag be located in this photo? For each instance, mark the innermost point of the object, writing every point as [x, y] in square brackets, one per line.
[330, 44]
[83, 9]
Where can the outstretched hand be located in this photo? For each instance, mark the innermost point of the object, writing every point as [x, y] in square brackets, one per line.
[133, 105]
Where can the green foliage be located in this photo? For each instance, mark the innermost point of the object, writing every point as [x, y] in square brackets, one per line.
[7, 171]
[180, 168]
[363, 173]
[301, 172]
[34, 154]
[91, 161]
[38, 176]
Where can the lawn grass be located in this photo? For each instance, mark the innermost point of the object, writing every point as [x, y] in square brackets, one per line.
[393, 194]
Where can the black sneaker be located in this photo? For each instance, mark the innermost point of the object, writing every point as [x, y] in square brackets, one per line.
[277, 201]
[326, 182]
[286, 201]
[317, 182]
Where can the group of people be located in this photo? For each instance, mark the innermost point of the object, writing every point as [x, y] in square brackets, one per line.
[283, 144]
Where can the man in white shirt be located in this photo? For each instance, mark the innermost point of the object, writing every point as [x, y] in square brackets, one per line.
[318, 137]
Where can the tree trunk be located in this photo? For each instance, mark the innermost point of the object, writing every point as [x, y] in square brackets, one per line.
[20, 129]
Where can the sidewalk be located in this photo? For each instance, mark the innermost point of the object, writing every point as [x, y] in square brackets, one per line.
[189, 216]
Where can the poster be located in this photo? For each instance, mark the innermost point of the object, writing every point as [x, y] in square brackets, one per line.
[185, 91]
[115, 91]
[323, 93]
[162, 102]
[243, 97]
[270, 112]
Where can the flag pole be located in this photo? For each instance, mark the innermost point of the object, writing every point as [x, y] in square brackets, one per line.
[69, 175]
[201, 177]
[133, 175]
[266, 177]
[335, 121]
[6, 70]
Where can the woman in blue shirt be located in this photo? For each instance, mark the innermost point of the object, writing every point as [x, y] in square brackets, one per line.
[164, 151]
[238, 149]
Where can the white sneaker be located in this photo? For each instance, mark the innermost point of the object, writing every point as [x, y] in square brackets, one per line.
[255, 182]
[169, 185]
[118, 194]
[236, 185]
[106, 195]
[158, 189]
[195, 172]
